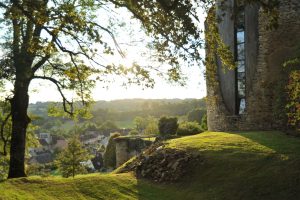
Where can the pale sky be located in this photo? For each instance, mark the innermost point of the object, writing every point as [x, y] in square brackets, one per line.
[195, 88]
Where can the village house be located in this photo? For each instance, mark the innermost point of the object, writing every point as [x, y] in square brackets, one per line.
[48, 144]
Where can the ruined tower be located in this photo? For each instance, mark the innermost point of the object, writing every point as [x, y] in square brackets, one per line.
[244, 98]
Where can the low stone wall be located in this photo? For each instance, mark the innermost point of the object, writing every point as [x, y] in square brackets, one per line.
[128, 147]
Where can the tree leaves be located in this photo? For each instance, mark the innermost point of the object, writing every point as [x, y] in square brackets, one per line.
[70, 161]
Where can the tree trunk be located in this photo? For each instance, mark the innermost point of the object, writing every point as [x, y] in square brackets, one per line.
[20, 121]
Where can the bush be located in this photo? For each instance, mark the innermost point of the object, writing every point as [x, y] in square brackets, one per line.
[151, 129]
[293, 104]
[4, 164]
[108, 125]
[133, 132]
[196, 115]
[188, 128]
[204, 123]
[167, 126]
[109, 157]
[69, 161]
[39, 169]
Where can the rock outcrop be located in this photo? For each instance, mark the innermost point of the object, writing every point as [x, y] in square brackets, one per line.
[161, 164]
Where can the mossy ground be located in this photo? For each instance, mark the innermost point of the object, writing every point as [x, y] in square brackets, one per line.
[235, 166]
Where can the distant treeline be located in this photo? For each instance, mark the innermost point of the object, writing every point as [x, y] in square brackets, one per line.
[119, 110]
[123, 110]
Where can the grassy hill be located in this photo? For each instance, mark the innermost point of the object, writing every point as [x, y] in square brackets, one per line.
[245, 165]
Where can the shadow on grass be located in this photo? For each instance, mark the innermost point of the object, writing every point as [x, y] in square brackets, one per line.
[234, 175]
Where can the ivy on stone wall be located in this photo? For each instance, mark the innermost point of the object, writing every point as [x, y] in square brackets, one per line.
[293, 91]
[215, 47]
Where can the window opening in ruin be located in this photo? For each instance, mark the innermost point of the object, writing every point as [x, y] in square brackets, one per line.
[240, 58]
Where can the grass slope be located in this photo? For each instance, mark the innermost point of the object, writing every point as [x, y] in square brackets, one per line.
[106, 187]
[247, 165]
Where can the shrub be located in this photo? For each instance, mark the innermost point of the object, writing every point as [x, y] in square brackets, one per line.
[109, 157]
[188, 128]
[293, 105]
[168, 126]
[4, 164]
[38, 170]
[151, 129]
[196, 115]
[70, 160]
[133, 132]
[108, 125]
[203, 124]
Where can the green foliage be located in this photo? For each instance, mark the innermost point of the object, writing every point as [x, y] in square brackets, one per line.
[292, 88]
[188, 128]
[109, 156]
[42, 170]
[121, 112]
[78, 111]
[90, 126]
[76, 130]
[140, 123]
[203, 124]
[175, 34]
[196, 115]
[293, 105]
[5, 127]
[133, 132]
[286, 107]
[4, 163]
[146, 125]
[152, 128]
[70, 160]
[108, 125]
[167, 126]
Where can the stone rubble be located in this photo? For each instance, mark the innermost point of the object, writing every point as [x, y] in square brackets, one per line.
[161, 164]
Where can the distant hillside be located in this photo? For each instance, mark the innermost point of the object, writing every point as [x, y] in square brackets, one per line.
[146, 104]
[122, 112]
[234, 166]
[129, 104]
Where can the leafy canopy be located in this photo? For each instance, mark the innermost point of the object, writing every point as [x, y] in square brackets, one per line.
[64, 42]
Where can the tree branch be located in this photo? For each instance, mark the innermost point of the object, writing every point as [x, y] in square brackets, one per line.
[40, 63]
[59, 87]
[3, 5]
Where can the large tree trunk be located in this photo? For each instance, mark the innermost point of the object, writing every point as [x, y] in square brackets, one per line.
[20, 121]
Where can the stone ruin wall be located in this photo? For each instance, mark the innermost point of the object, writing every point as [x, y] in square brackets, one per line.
[273, 48]
[128, 147]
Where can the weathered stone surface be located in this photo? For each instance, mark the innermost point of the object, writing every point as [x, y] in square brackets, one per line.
[161, 164]
[269, 49]
[128, 147]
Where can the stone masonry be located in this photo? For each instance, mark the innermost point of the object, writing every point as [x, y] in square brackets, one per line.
[128, 147]
[266, 50]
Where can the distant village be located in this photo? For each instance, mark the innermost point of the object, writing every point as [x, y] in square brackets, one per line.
[50, 145]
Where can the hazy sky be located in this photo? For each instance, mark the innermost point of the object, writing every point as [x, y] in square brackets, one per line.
[195, 88]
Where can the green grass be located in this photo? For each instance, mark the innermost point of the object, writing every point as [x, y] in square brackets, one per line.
[106, 187]
[247, 165]
[265, 142]
[234, 166]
